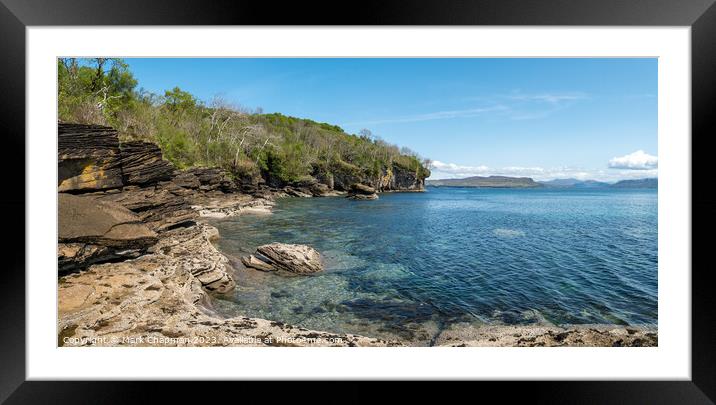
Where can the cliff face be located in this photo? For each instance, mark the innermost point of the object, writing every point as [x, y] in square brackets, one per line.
[89, 158]
[398, 178]
[391, 178]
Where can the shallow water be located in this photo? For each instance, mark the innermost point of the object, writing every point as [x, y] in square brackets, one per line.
[409, 264]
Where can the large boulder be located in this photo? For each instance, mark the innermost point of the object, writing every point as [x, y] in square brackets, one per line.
[358, 188]
[88, 158]
[142, 164]
[362, 192]
[92, 232]
[299, 259]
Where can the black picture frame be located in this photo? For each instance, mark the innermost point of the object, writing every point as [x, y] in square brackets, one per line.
[16, 15]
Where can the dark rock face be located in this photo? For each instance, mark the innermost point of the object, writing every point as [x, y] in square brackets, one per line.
[186, 180]
[88, 158]
[308, 187]
[344, 174]
[86, 220]
[78, 256]
[91, 232]
[142, 164]
[393, 178]
[404, 179]
[213, 178]
[161, 207]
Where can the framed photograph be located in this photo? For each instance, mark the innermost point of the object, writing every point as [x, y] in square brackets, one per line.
[488, 191]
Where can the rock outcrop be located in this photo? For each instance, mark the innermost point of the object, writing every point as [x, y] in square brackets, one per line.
[142, 164]
[298, 259]
[362, 192]
[157, 300]
[92, 232]
[214, 179]
[403, 179]
[162, 206]
[85, 220]
[88, 158]
[191, 249]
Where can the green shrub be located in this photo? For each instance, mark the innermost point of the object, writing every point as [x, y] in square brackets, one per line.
[285, 149]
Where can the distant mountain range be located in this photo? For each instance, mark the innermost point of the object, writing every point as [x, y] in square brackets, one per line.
[640, 183]
[574, 183]
[526, 182]
[491, 181]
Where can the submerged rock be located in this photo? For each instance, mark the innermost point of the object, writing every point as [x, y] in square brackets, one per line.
[299, 259]
[362, 196]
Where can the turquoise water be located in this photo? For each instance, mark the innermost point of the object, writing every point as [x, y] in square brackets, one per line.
[409, 264]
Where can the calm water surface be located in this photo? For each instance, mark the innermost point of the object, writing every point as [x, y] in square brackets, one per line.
[409, 264]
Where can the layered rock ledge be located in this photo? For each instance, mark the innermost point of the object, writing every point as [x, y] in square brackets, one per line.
[161, 299]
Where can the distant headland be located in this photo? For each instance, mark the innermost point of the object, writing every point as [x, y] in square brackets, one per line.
[527, 182]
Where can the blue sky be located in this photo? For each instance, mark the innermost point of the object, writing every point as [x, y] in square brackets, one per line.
[543, 118]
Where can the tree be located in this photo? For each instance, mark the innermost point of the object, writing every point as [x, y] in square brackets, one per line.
[94, 90]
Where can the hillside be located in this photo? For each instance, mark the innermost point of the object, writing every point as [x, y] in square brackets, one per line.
[253, 147]
[639, 183]
[574, 183]
[488, 182]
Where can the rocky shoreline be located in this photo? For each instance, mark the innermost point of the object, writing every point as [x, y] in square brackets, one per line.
[137, 267]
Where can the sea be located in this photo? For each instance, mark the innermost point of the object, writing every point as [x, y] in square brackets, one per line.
[409, 265]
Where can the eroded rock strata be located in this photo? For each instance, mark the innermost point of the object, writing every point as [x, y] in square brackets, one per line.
[160, 299]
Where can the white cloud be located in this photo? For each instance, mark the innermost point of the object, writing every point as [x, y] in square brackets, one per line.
[443, 170]
[638, 160]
